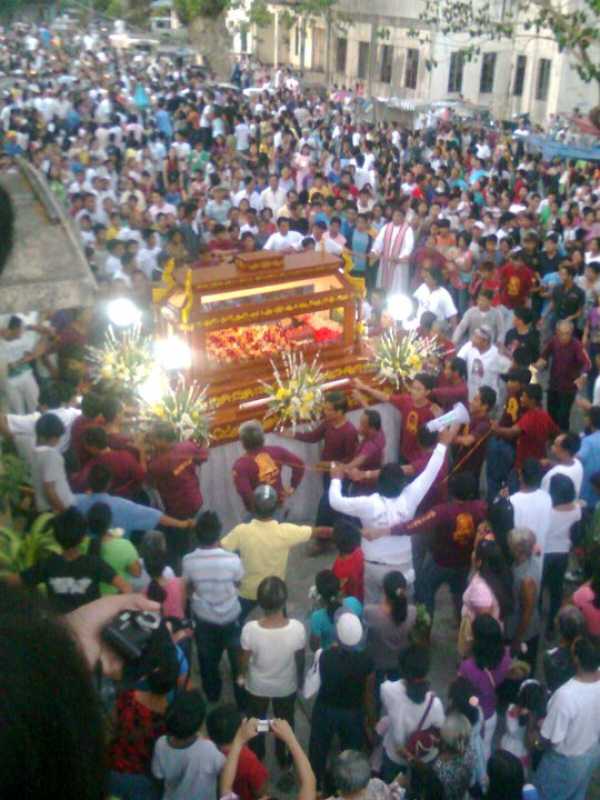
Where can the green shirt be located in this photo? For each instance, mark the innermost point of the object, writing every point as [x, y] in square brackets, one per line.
[118, 554]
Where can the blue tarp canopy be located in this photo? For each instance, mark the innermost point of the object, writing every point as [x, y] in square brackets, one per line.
[551, 148]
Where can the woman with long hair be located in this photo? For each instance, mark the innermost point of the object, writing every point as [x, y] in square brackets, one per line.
[486, 669]
[322, 621]
[405, 702]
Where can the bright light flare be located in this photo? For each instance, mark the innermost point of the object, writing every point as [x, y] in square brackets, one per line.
[123, 312]
[400, 307]
[173, 353]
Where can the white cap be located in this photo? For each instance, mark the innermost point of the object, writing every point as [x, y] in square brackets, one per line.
[349, 629]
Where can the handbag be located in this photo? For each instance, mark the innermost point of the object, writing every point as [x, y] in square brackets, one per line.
[465, 637]
[312, 680]
[423, 743]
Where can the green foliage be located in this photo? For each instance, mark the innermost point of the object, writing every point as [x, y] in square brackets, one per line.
[13, 474]
[188, 10]
[574, 31]
[19, 551]
[259, 14]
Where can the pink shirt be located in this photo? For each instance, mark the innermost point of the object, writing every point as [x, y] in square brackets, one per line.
[584, 600]
[479, 598]
[174, 603]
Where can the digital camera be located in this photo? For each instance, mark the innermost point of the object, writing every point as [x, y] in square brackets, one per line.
[130, 633]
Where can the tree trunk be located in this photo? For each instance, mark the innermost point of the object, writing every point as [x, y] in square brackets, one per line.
[210, 37]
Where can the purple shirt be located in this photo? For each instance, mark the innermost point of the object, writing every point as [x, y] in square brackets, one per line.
[568, 361]
[485, 682]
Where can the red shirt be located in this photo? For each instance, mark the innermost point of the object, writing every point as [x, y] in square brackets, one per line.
[78, 429]
[537, 426]
[350, 569]
[251, 775]
[446, 394]
[136, 731]
[515, 285]
[127, 473]
[567, 362]
[264, 466]
[339, 443]
[412, 418]
[173, 473]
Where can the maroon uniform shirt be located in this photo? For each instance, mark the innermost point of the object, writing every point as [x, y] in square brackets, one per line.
[262, 466]
[439, 491]
[537, 428]
[446, 394]
[127, 473]
[372, 450]
[474, 455]
[339, 442]
[568, 361]
[412, 418]
[173, 473]
[454, 526]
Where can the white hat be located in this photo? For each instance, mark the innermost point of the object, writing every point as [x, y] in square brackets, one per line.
[349, 629]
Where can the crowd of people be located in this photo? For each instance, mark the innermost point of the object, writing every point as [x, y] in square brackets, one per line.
[500, 253]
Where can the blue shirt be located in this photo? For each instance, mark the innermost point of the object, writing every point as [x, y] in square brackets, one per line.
[125, 514]
[360, 244]
[163, 122]
[322, 626]
[589, 455]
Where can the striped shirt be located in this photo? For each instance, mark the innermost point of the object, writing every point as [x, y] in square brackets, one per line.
[213, 574]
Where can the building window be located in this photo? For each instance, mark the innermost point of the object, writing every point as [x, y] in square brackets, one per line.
[244, 38]
[297, 40]
[363, 60]
[455, 77]
[387, 57]
[412, 68]
[520, 76]
[488, 67]
[543, 79]
[340, 55]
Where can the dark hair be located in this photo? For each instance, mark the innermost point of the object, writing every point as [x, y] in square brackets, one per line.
[328, 586]
[99, 518]
[488, 644]
[49, 426]
[96, 438]
[427, 380]
[14, 323]
[69, 528]
[531, 473]
[346, 536]
[186, 714]
[50, 396]
[594, 415]
[99, 478]
[459, 365]
[46, 686]
[463, 486]
[391, 480]
[155, 561]
[587, 653]
[426, 438]
[110, 408]
[414, 662]
[7, 226]
[562, 489]
[91, 405]
[571, 442]
[394, 589]
[506, 776]
[338, 400]
[373, 418]
[534, 392]
[208, 528]
[533, 697]
[271, 594]
[495, 572]
[222, 724]
[460, 692]
[424, 783]
[163, 679]
[165, 432]
[488, 396]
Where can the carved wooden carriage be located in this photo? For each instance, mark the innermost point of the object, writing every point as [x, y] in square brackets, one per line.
[240, 314]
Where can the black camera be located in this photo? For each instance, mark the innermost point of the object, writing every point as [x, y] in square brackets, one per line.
[131, 632]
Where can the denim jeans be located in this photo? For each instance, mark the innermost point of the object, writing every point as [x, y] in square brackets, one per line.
[132, 786]
[561, 777]
[500, 458]
[283, 708]
[434, 575]
[212, 641]
[326, 722]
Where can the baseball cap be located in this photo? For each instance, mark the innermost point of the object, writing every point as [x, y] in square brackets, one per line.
[348, 629]
[519, 374]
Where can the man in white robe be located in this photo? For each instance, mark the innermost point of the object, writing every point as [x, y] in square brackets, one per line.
[393, 245]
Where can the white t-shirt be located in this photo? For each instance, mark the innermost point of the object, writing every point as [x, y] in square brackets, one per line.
[404, 716]
[22, 428]
[559, 529]
[438, 301]
[242, 136]
[188, 772]
[272, 667]
[575, 472]
[573, 720]
[48, 466]
[532, 510]
[277, 242]
[483, 369]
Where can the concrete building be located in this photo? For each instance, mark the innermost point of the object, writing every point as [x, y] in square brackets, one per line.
[525, 74]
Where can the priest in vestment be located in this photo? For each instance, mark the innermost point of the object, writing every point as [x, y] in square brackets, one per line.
[393, 245]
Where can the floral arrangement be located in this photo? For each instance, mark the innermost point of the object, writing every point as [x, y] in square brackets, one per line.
[125, 360]
[399, 355]
[186, 407]
[297, 395]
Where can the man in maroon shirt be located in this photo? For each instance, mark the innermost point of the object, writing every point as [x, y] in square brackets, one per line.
[470, 453]
[90, 417]
[451, 386]
[568, 361]
[534, 428]
[263, 464]
[414, 406]
[369, 454]
[127, 473]
[172, 470]
[454, 525]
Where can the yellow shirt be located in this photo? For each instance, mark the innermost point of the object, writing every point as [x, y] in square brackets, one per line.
[264, 547]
